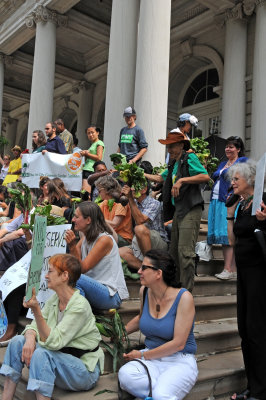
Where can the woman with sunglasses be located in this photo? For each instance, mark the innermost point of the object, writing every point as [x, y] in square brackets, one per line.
[217, 224]
[166, 319]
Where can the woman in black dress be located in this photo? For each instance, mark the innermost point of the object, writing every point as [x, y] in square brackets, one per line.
[251, 278]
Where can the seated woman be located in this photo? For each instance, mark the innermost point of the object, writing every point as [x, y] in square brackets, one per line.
[166, 318]
[43, 187]
[116, 215]
[102, 278]
[57, 196]
[10, 211]
[56, 350]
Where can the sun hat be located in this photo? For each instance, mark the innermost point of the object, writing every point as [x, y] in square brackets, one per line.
[18, 148]
[190, 118]
[176, 137]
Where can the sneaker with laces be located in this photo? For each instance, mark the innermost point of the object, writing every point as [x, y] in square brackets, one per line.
[225, 275]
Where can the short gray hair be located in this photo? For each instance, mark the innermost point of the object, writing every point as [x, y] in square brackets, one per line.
[246, 169]
[109, 184]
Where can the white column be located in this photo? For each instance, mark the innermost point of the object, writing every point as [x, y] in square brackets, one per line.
[84, 113]
[10, 134]
[1, 87]
[258, 136]
[42, 87]
[151, 88]
[234, 86]
[121, 70]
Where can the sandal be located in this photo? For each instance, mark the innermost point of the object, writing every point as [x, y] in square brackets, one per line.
[241, 396]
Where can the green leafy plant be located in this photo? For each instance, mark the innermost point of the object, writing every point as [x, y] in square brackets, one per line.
[200, 146]
[46, 212]
[114, 329]
[159, 169]
[118, 158]
[133, 176]
[22, 199]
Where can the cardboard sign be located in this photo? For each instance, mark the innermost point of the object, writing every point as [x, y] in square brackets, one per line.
[17, 275]
[39, 237]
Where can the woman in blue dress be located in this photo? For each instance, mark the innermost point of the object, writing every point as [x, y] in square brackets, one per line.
[217, 223]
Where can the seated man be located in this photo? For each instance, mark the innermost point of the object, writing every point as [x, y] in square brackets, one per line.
[149, 230]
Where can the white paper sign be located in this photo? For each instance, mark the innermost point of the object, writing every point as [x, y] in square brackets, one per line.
[67, 167]
[259, 184]
[17, 275]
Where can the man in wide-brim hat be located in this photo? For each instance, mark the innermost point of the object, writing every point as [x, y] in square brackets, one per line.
[183, 202]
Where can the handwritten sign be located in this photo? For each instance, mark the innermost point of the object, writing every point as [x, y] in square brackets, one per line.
[34, 275]
[17, 275]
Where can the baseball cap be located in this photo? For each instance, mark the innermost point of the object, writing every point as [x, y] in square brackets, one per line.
[129, 111]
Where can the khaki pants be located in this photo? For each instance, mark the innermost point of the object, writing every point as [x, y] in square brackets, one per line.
[184, 235]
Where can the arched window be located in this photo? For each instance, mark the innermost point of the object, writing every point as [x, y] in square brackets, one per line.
[201, 88]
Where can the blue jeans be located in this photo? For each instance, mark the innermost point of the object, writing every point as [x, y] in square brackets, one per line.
[48, 368]
[97, 294]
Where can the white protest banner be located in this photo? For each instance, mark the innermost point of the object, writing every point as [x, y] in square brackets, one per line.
[17, 275]
[67, 167]
[55, 244]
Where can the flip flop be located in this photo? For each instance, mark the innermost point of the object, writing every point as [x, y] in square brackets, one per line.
[241, 396]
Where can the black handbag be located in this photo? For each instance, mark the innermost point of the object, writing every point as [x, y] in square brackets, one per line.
[261, 238]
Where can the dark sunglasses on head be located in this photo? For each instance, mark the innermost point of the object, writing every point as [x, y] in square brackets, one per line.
[143, 267]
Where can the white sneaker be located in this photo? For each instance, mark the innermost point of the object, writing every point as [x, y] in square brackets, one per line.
[225, 275]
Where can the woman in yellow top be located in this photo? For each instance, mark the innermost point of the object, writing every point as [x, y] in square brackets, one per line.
[15, 166]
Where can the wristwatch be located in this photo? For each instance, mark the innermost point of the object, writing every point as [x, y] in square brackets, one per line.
[142, 354]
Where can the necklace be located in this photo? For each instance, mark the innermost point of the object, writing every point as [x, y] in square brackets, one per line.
[158, 306]
[244, 203]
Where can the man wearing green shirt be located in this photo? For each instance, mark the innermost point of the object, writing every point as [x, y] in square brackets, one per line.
[182, 195]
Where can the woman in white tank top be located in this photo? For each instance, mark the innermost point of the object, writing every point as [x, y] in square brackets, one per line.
[102, 280]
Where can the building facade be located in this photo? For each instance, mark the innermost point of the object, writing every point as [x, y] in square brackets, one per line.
[85, 60]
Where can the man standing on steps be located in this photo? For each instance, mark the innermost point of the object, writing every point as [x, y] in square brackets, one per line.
[65, 135]
[182, 190]
[132, 142]
[54, 144]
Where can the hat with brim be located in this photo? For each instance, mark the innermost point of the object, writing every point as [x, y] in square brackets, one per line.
[18, 148]
[177, 137]
[129, 111]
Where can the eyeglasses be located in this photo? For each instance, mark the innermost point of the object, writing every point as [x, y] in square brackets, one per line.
[143, 267]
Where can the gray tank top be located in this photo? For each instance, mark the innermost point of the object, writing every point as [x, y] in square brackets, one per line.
[109, 270]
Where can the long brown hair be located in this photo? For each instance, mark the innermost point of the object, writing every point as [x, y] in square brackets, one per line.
[98, 224]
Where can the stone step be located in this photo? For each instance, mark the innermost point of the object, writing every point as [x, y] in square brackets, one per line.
[212, 267]
[204, 286]
[219, 374]
[207, 308]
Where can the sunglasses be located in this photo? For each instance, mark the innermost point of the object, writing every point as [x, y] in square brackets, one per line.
[143, 267]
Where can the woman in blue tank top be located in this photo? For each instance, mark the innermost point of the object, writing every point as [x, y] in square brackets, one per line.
[166, 319]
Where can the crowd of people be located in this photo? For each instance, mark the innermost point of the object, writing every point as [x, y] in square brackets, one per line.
[154, 233]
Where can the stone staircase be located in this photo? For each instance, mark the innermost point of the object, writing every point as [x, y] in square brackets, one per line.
[219, 356]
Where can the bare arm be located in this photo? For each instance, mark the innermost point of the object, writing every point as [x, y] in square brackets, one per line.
[183, 323]
[1, 161]
[92, 178]
[116, 221]
[137, 215]
[154, 178]
[29, 346]
[95, 157]
[102, 247]
[139, 155]
[196, 179]
[12, 236]
[43, 329]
